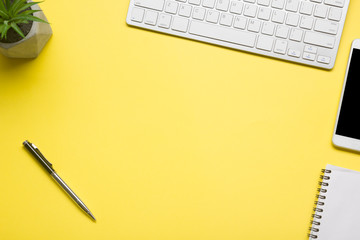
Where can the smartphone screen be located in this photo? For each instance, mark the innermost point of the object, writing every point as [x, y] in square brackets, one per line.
[349, 117]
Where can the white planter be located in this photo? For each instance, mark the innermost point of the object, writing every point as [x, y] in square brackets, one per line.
[33, 43]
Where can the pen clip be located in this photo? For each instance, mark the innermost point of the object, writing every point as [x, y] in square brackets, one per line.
[37, 150]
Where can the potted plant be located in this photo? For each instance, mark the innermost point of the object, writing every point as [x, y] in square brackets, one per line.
[24, 29]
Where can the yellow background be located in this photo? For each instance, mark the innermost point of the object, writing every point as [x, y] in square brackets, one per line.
[161, 137]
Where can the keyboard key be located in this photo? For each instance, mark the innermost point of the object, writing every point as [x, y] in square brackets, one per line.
[278, 16]
[280, 46]
[236, 7]
[265, 43]
[279, 4]
[318, 39]
[171, 7]
[323, 59]
[254, 25]
[294, 53]
[264, 13]
[222, 33]
[335, 14]
[320, 11]
[326, 26]
[250, 10]
[212, 16]
[194, 2]
[151, 18]
[292, 5]
[306, 8]
[292, 19]
[306, 22]
[336, 3]
[296, 35]
[209, 3]
[180, 24]
[264, 2]
[185, 10]
[226, 19]
[240, 22]
[268, 28]
[309, 56]
[164, 21]
[282, 31]
[223, 5]
[137, 15]
[152, 4]
[310, 49]
[199, 13]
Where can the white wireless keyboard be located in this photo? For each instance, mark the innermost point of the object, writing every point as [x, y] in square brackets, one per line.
[302, 31]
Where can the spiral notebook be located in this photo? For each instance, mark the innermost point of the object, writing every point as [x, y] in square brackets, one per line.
[337, 211]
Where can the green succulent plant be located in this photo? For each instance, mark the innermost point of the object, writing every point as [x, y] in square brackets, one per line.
[14, 12]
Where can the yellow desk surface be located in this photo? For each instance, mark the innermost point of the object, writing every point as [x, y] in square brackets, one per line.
[163, 138]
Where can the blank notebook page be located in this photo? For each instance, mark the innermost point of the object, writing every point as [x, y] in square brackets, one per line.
[341, 210]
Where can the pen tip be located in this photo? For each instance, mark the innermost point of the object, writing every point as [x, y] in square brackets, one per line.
[92, 216]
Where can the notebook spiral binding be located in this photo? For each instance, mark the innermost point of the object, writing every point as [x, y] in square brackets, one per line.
[318, 210]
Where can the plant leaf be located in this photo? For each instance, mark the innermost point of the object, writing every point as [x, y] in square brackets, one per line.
[28, 12]
[4, 30]
[2, 6]
[29, 18]
[14, 5]
[3, 14]
[7, 4]
[17, 29]
[25, 6]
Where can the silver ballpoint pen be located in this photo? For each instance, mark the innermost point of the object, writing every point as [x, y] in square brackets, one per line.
[48, 167]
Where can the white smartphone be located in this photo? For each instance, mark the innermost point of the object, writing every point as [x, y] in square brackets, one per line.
[347, 128]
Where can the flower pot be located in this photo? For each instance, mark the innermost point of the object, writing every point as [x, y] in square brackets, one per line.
[33, 43]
